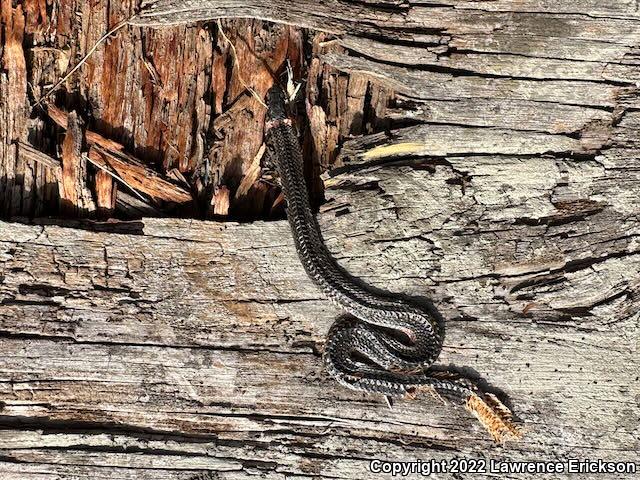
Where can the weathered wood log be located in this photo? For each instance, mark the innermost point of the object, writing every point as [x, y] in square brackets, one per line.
[541, 298]
[502, 183]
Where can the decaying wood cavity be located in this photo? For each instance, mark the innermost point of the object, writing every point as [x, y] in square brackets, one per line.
[175, 100]
[482, 154]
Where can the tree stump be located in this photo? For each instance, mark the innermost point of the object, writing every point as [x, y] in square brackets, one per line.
[479, 153]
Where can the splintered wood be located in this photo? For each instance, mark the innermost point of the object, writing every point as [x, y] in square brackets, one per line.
[137, 176]
[182, 103]
[106, 193]
[75, 197]
[112, 161]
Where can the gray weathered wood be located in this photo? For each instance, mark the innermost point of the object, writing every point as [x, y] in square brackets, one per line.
[506, 188]
[191, 337]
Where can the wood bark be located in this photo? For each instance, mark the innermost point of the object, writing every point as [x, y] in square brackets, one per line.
[481, 153]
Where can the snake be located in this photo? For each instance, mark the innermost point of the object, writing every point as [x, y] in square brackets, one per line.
[382, 343]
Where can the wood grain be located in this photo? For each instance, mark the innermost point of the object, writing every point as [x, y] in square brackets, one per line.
[479, 153]
[104, 352]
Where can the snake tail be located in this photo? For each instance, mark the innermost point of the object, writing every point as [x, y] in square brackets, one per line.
[494, 416]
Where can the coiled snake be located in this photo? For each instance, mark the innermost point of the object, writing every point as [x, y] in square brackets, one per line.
[383, 344]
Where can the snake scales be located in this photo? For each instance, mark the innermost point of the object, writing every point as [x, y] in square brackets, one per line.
[383, 344]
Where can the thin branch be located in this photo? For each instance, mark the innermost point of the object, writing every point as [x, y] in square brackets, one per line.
[116, 176]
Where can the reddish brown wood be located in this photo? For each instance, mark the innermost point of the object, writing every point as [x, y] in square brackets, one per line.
[173, 98]
[138, 177]
[59, 116]
[221, 202]
[106, 193]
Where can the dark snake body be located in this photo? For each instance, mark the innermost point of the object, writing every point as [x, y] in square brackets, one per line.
[384, 344]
